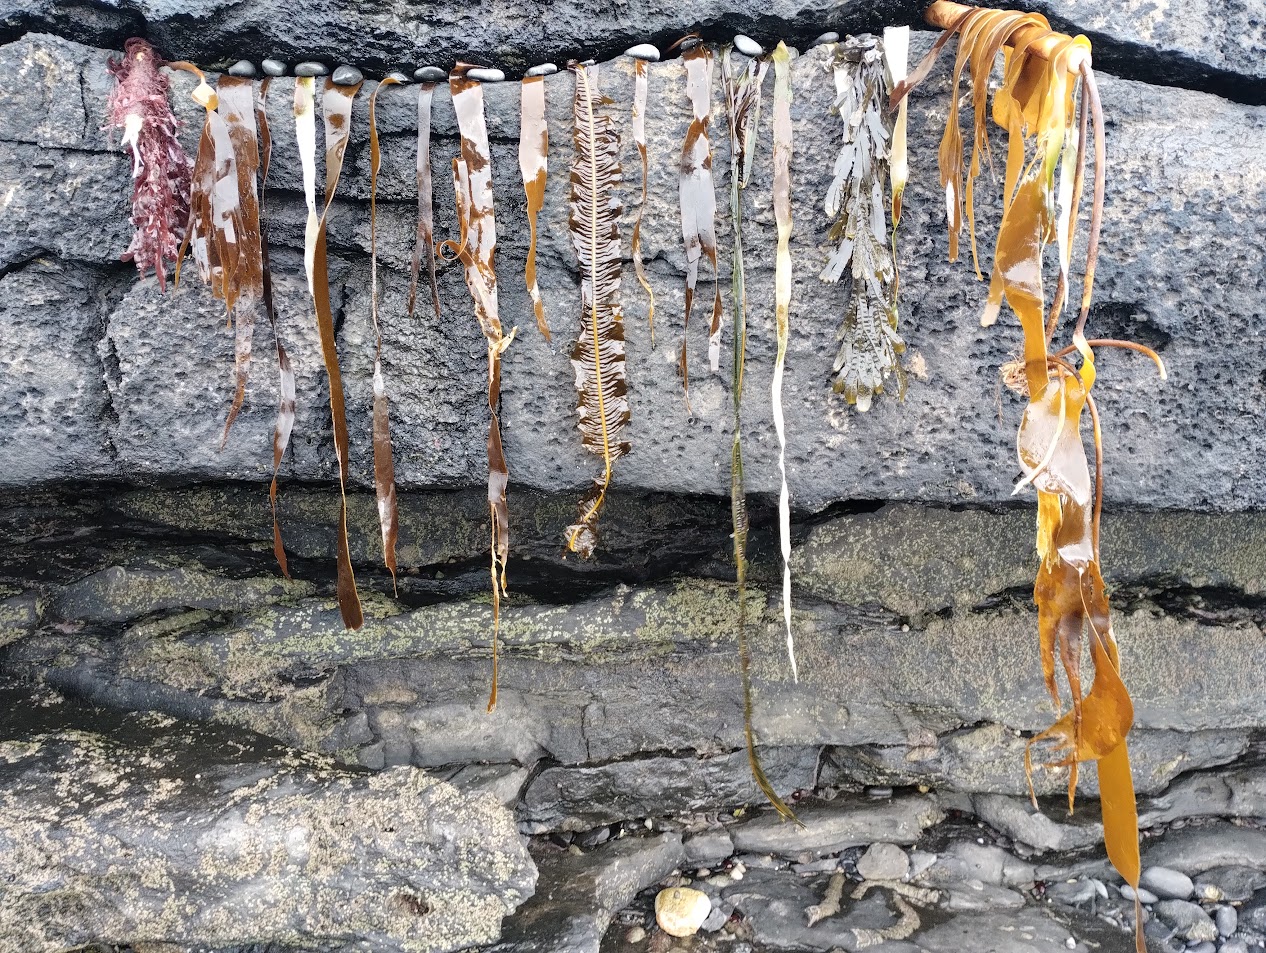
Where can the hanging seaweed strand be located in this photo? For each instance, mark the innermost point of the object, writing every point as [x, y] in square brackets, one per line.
[743, 102]
[384, 466]
[598, 355]
[475, 248]
[782, 310]
[285, 373]
[337, 110]
[698, 203]
[640, 84]
[869, 343]
[1037, 104]
[533, 164]
[424, 243]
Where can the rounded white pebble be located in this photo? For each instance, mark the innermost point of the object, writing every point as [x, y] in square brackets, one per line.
[680, 911]
[643, 51]
[485, 74]
[1070, 943]
[545, 69]
[635, 935]
[747, 46]
[831, 37]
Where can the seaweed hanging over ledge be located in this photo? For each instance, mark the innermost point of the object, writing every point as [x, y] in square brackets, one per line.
[534, 165]
[1037, 104]
[475, 249]
[598, 355]
[869, 343]
[160, 166]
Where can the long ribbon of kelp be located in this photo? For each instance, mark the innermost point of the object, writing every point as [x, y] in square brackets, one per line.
[698, 202]
[782, 310]
[384, 467]
[160, 167]
[1037, 102]
[285, 373]
[598, 354]
[743, 102]
[640, 86]
[869, 342]
[424, 243]
[534, 164]
[336, 107]
[224, 225]
[475, 248]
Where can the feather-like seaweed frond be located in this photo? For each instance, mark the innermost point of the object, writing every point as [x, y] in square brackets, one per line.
[869, 343]
[384, 466]
[698, 203]
[598, 355]
[640, 85]
[534, 165]
[475, 249]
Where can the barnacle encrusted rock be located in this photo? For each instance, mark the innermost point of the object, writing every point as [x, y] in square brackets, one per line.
[148, 830]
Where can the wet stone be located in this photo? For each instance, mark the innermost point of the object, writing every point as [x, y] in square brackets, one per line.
[1235, 883]
[1226, 918]
[310, 68]
[643, 51]
[883, 862]
[1166, 883]
[243, 68]
[485, 74]
[274, 67]
[1144, 895]
[747, 46]
[831, 37]
[544, 69]
[429, 74]
[347, 76]
[398, 76]
[1188, 919]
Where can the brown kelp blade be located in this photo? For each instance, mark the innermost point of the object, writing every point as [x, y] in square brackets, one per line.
[424, 243]
[533, 163]
[698, 202]
[640, 85]
[285, 373]
[598, 354]
[384, 467]
[337, 111]
[476, 248]
[243, 268]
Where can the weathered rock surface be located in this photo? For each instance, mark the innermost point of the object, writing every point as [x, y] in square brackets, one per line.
[141, 830]
[1181, 158]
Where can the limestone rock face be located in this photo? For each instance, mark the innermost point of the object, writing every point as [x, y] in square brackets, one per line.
[141, 830]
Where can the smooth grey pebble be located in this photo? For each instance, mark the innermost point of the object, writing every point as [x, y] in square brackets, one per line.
[1144, 896]
[429, 74]
[545, 69]
[243, 68]
[274, 67]
[826, 38]
[1167, 883]
[309, 68]
[398, 76]
[689, 44]
[747, 46]
[485, 74]
[347, 76]
[1205, 947]
[643, 51]
[1234, 945]
[1227, 919]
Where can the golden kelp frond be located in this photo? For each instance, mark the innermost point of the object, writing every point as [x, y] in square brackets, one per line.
[869, 343]
[424, 242]
[475, 248]
[336, 106]
[598, 355]
[698, 202]
[285, 373]
[533, 163]
[639, 138]
[384, 466]
[1037, 106]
